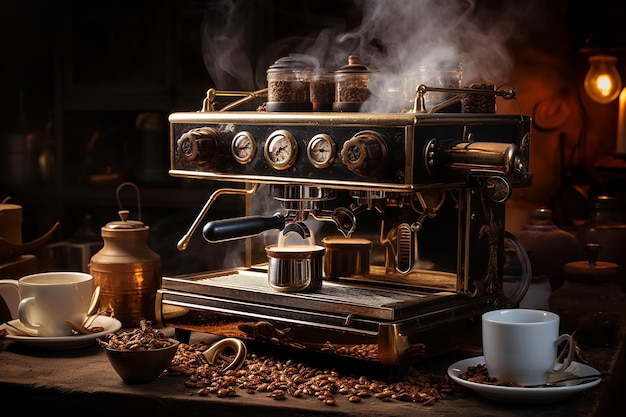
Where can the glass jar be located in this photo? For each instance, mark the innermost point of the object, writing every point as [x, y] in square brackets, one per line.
[479, 103]
[351, 86]
[445, 75]
[288, 85]
[322, 90]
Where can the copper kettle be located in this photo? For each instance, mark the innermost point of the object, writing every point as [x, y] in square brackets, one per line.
[127, 271]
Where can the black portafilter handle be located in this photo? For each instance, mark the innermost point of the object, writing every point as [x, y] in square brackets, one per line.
[240, 227]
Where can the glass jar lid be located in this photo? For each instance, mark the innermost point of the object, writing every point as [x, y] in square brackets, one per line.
[353, 66]
[288, 63]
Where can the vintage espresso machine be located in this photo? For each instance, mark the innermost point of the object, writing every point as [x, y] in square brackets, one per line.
[425, 190]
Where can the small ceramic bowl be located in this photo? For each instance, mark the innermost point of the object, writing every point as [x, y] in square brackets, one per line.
[141, 366]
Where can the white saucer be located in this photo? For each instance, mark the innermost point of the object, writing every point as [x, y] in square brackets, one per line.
[523, 394]
[64, 342]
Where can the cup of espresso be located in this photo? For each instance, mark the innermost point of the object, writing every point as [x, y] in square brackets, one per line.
[521, 345]
[49, 299]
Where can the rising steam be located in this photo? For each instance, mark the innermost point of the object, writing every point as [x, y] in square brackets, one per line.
[394, 38]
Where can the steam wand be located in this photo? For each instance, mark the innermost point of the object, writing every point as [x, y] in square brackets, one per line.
[184, 241]
[419, 106]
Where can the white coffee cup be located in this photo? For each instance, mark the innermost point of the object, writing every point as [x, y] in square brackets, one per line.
[521, 345]
[49, 299]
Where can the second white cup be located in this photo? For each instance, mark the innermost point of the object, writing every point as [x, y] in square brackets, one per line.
[521, 345]
[49, 299]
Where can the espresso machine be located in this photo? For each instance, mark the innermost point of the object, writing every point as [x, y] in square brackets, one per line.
[397, 221]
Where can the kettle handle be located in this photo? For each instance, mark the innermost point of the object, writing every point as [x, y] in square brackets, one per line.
[526, 275]
[119, 200]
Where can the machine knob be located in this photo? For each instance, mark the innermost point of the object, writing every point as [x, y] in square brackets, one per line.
[199, 146]
[365, 153]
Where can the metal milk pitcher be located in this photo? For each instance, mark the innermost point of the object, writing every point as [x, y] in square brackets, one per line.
[127, 271]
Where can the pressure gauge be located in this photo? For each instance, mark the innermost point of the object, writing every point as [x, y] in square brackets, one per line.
[243, 147]
[281, 149]
[321, 151]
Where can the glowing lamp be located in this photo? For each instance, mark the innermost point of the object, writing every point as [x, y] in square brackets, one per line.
[602, 82]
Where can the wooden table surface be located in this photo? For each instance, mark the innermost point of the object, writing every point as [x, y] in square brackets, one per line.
[66, 381]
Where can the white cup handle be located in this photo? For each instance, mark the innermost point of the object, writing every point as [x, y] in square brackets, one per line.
[571, 349]
[23, 313]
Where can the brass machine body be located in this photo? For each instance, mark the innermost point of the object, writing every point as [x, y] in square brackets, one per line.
[427, 189]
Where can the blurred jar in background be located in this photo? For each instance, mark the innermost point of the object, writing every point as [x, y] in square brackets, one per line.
[590, 302]
[606, 227]
[20, 151]
[549, 248]
[151, 154]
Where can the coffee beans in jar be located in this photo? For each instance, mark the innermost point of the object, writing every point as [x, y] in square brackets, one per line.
[288, 85]
[479, 103]
[322, 90]
[351, 86]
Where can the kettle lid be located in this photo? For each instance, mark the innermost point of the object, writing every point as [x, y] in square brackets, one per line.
[124, 223]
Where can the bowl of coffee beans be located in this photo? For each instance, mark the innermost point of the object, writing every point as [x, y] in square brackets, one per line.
[140, 355]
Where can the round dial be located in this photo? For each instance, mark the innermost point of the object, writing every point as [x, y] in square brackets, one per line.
[199, 146]
[281, 149]
[321, 151]
[365, 153]
[243, 147]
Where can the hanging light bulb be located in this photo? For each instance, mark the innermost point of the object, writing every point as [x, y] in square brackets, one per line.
[603, 83]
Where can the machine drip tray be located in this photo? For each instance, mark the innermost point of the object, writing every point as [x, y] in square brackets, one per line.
[336, 297]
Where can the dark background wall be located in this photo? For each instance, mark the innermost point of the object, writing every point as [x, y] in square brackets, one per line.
[80, 74]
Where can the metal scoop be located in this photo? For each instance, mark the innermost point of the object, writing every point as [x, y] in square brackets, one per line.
[210, 356]
[93, 306]
[92, 313]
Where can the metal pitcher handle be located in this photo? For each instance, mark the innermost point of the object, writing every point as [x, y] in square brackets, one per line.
[526, 275]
